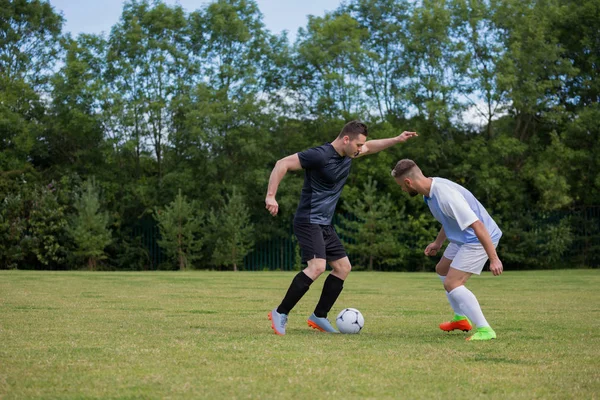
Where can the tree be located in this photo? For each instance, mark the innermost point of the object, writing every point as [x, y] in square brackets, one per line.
[384, 65]
[433, 67]
[533, 68]
[329, 54]
[88, 226]
[371, 231]
[180, 228]
[74, 136]
[29, 46]
[12, 229]
[229, 124]
[232, 230]
[148, 63]
[481, 49]
[46, 236]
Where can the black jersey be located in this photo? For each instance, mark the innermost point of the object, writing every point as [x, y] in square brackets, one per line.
[325, 173]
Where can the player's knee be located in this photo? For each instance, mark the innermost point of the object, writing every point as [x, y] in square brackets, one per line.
[440, 270]
[343, 270]
[448, 286]
[451, 284]
[317, 266]
[341, 267]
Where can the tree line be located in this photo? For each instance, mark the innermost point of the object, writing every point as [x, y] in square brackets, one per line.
[177, 118]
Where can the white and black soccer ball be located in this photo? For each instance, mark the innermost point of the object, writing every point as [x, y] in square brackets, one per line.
[350, 320]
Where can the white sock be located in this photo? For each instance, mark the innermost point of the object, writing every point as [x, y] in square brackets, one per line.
[469, 305]
[453, 303]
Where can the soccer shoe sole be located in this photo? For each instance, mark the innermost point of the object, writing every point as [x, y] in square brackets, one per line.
[316, 326]
[470, 339]
[273, 325]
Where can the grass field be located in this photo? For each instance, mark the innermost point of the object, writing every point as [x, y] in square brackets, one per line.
[206, 335]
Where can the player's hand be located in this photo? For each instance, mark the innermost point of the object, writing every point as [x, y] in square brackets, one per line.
[404, 136]
[432, 249]
[496, 266]
[271, 205]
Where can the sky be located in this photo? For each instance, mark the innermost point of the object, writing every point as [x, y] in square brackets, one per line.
[92, 16]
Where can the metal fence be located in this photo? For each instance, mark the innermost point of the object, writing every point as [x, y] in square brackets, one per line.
[282, 253]
[585, 225]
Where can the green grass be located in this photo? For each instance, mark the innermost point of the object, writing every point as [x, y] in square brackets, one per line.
[206, 335]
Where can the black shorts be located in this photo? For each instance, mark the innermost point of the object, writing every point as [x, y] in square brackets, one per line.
[318, 241]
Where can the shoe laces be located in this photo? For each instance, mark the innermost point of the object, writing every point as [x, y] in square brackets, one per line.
[284, 319]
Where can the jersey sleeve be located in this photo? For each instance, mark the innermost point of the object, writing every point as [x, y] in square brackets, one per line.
[456, 207]
[312, 158]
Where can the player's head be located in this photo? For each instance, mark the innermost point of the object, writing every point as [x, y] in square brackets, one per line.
[353, 136]
[353, 129]
[406, 173]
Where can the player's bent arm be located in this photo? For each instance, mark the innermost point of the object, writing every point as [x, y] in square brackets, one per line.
[441, 237]
[376, 145]
[484, 238]
[486, 241]
[433, 247]
[289, 163]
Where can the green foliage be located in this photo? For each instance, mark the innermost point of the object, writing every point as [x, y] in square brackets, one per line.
[29, 48]
[232, 231]
[434, 66]
[74, 131]
[180, 225]
[12, 228]
[372, 235]
[46, 235]
[329, 54]
[33, 225]
[29, 44]
[540, 244]
[88, 226]
[504, 95]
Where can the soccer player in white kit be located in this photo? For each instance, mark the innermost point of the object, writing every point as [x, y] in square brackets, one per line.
[473, 237]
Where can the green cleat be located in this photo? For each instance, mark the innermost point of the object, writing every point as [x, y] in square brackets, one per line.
[485, 333]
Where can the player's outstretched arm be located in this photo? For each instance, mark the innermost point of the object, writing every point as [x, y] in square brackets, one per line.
[486, 241]
[289, 163]
[376, 145]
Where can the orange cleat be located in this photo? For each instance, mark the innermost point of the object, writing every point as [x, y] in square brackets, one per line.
[457, 323]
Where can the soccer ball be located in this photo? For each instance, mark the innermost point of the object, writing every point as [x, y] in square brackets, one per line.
[350, 320]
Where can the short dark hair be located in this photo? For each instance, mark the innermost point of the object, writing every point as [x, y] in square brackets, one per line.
[403, 167]
[353, 129]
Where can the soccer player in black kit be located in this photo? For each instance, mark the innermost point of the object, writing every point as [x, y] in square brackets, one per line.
[326, 169]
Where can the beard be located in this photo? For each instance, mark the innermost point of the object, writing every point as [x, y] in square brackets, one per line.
[412, 193]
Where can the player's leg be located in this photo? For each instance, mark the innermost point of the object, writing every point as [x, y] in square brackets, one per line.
[334, 284]
[459, 321]
[312, 246]
[469, 260]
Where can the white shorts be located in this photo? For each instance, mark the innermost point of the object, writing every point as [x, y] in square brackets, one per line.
[469, 257]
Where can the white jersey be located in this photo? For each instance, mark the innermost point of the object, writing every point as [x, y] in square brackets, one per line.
[456, 209]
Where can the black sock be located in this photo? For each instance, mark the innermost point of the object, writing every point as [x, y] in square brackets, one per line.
[331, 290]
[298, 287]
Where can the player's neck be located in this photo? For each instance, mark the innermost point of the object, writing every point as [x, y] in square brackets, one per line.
[426, 186]
[339, 147]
